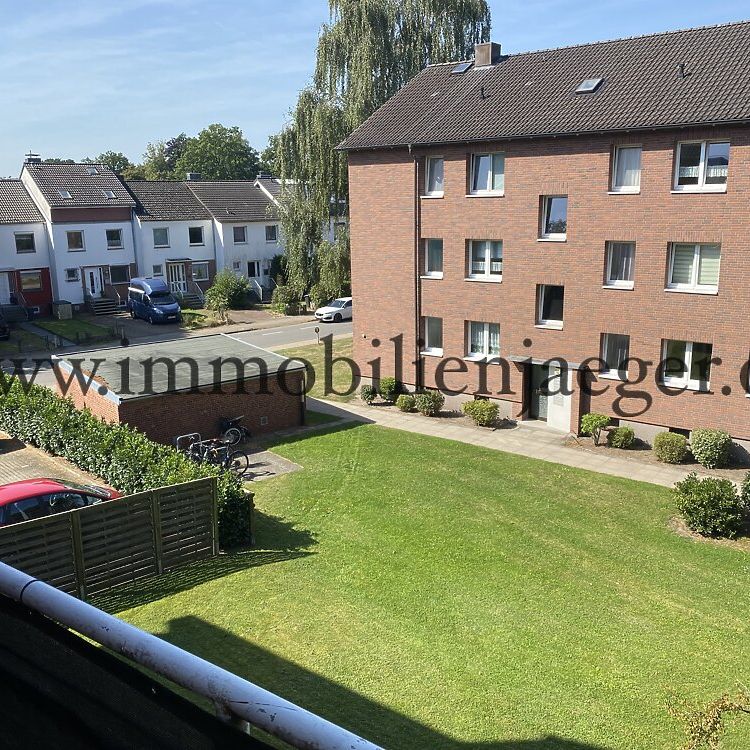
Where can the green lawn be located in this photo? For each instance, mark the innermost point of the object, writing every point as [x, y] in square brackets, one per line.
[74, 329]
[341, 373]
[315, 418]
[433, 595]
[21, 341]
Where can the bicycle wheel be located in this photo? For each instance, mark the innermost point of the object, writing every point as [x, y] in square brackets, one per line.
[233, 435]
[238, 462]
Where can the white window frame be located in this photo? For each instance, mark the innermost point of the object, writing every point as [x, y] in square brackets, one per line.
[81, 249]
[490, 175]
[487, 275]
[685, 382]
[160, 266]
[275, 239]
[631, 189]
[427, 177]
[72, 275]
[553, 236]
[693, 286]
[701, 187]
[544, 322]
[243, 241]
[153, 234]
[202, 241]
[427, 272]
[605, 372]
[618, 283]
[237, 266]
[485, 353]
[16, 235]
[114, 247]
[200, 264]
[435, 351]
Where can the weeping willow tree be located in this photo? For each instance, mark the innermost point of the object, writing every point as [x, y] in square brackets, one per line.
[366, 53]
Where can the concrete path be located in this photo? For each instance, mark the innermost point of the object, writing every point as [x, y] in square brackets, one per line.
[534, 441]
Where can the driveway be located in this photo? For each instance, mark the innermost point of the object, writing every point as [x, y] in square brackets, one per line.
[19, 461]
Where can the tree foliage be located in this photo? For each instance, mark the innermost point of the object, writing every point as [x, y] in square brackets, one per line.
[115, 160]
[161, 157]
[704, 726]
[219, 153]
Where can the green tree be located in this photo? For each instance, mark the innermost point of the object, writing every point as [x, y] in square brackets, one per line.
[219, 153]
[115, 160]
[365, 54]
[268, 156]
[57, 160]
[705, 725]
[161, 157]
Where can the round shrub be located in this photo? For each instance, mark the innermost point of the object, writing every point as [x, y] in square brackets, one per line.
[227, 291]
[711, 448]
[368, 393]
[710, 506]
[388, 389]
[670, 447]
[405, 402]
[621, 437]
[484, 413]
[429, 403]
[593, 424]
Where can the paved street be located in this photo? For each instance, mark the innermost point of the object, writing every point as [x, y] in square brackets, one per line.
[276, 338]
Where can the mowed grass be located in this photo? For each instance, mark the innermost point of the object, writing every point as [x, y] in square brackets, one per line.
[340, 373]
[74, 329]
[21, 341]
[434, 595]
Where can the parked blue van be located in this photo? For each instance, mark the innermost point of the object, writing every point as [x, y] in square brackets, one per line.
[151, 300]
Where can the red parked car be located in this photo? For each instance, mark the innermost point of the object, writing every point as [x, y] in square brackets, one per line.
[36, 498]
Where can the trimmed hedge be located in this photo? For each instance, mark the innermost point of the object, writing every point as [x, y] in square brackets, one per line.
[484, 413]
[670, 447]
[593, 424]
[405, 402]
[621, 437]
[429, 403]
[388, 388]
[711, 506]
[367, 393]
[711, 448]
[123, 457]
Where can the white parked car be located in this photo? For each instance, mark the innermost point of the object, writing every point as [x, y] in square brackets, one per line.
[335, 311]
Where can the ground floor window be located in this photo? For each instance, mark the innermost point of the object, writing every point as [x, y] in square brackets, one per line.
[72, 274]
[31, 281]
[483, 340]
[157, 270]
[119, 274]
[432, 333]
[686, 364]
[615, 353]
[200, 271]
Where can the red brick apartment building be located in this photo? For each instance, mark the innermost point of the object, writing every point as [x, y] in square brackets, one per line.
[589, 203]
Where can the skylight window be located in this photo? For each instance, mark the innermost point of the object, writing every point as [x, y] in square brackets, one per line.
[65, 194]
[589, 86]
[92, 170]
[461, 68]
[108, 193]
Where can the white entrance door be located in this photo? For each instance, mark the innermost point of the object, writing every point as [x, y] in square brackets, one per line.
[559, 404]
[176, 277]
[4, 288]
[94, 281]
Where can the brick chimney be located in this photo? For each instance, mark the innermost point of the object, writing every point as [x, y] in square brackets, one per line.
[487, 53]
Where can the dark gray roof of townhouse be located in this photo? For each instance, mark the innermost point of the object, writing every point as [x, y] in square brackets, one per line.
[162, 200]
[533, 94]
[86, 190]
[272, 184]
[232, 201]
[16, 205]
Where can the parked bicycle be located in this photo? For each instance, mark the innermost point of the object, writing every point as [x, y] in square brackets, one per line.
[216, 452]
[233, 431]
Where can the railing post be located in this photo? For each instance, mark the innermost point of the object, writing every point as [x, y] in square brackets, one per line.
[78, 560]
[156, 525]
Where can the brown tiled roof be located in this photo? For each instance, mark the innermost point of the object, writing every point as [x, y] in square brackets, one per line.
[533, 94]
[16, 205]
[161, 200]
[85, 189]
[232, 201]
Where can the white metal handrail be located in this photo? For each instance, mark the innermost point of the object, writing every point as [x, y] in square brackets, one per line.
[234, 698]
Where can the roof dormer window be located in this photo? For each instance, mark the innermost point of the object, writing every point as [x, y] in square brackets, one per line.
[108, 194]
[589, 86]
[92, 170]
[65, 194]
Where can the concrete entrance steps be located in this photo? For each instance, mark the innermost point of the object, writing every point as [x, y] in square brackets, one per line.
[102, 306]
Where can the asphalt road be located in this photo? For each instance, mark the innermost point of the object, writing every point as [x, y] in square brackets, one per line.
[304, 333]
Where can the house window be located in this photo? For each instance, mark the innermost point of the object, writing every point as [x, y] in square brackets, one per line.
[702, 166]
[114, 239]
[433, 258]
[72, 274]
[31, 281]
[119, 274]
[75, 241]
[64, 194]
[200, 271]
[486, 260]
[433, 335]
[92, 170]
[195, 235]
[694, 268]
[488, 173]
[108, 194]
[272, 233]
[240, 235]
[620, 264]
[554, 217]
[626, 174]
[550, 303]
[615, 353]
[161, 236]
[253, 269]
[25, 242]
[157, 270]
[236, 265]
[483, 340]
[434, 180]
[686, 364]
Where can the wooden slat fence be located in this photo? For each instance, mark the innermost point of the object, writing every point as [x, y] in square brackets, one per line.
[91, 550]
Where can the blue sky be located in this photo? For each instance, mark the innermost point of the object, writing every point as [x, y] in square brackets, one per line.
[82, 77]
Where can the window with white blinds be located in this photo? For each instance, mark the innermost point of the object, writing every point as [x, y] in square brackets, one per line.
[620, 264]
[483, 340]
[694, 267]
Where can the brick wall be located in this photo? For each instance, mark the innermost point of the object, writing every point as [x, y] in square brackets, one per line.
[384, 271]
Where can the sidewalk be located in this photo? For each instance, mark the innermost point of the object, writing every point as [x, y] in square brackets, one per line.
[533, 441]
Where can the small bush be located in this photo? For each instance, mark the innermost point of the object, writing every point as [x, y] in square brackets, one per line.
[367, 393]
[484, 413]
[284, 299]
[429, 403]
[593, 424]
[711, 506]
[405, 402]
[621, 437]
[388, 389]
[228, 292]
[711, 448]
[670, 447]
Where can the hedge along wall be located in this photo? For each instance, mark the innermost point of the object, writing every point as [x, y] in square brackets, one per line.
[121, 456]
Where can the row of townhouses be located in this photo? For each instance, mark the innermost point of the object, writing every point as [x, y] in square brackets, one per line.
[565, 231]
[77, 232]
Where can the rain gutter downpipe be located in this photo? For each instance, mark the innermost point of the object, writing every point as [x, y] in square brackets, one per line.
[417, 279]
